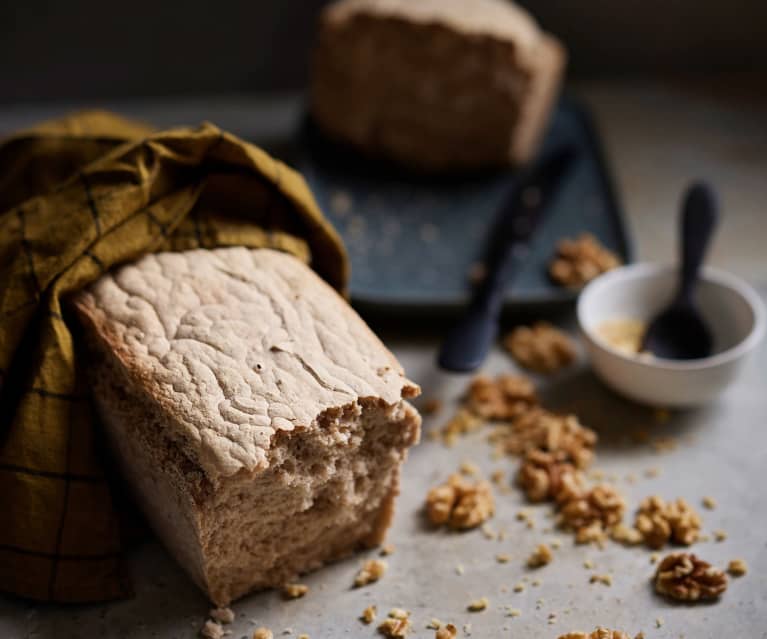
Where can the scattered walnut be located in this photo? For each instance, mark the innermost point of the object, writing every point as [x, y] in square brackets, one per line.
[737, 567]
[659, 522]
[448, 631]
[478, 605]
[604, 579]
[581, 260]
[464, 421]
[222, 615]
[394, 628]
[212, 630]
[372, 570]
[460, 503]
[709, 503]
[295, 591]
[540, 429]
[720, 535]
[368, 615]
[541, 474]
[263, 633]
[591, 513]
[541, 556]
[503, 558]
[685, 577]
[599, 633]
[502, 398]
[626, 535]
[399, 613]
[541, 347]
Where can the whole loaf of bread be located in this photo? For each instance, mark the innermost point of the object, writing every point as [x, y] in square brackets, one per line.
[259, 421]
[435, 85]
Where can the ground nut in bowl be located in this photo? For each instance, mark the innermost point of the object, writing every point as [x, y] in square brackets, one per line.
[613, 308]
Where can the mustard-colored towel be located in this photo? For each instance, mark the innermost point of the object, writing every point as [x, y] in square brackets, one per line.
[78, 196]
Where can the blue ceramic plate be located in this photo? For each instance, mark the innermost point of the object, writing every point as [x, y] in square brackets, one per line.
[413, 241]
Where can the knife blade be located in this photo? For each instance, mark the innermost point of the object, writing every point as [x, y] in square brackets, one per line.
[522, 212]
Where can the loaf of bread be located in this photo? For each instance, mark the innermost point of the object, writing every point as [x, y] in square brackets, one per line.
[435, 85]
[260, 422]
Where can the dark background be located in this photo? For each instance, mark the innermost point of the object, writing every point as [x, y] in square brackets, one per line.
[83, 49]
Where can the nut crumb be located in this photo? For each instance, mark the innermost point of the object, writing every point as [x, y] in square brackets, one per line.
[294, 591]
[536, 582]
[222, 615]
[368, 615]
[503, 558]
[541, 347]
[460, 503]
[737, 567]
[434, 624]
[685, 577]
[604, 579]
[663, 444]
[654, 558]
[720, 535]
[449, 631]
[626, 535]
[399, 613]
[394, 628]
[488, 532]
[469, 468]
[212, 630]
[513, 612]
[659, 622]
[463, 422]
[652, 473]
[371, 571]
[387, 550]
[303, 636]
[478, 605]
[263, 633]
[519, 587]
[709, 503]
[459, 569]
[599, 633]
[588, 564]
[502, 398]
[541, 556]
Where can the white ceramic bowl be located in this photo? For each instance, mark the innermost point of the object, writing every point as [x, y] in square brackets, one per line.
[732, 309]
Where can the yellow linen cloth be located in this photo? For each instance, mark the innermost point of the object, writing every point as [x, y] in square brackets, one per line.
[78, 196]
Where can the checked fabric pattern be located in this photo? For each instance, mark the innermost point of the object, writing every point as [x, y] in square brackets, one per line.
[78, 196]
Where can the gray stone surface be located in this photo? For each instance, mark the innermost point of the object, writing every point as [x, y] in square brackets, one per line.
[657, 138]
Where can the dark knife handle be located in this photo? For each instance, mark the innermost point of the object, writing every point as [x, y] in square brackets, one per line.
[468, 343]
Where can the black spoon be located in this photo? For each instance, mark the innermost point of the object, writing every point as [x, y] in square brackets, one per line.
[680, 332]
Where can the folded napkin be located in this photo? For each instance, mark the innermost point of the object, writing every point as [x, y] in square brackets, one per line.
[78, 196]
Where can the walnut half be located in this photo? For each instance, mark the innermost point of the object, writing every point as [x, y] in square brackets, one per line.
[684, 577]
[460, 503]
[660, 521]
[541, 347]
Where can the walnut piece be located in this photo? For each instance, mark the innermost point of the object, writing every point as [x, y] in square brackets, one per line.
[395, 627]
[599, 633]
[541, 556]
[590, 514]
[539, 429]
[541, 347]
[685, 577]
[542, 474]
[368, 615]
[660, 522]
[448, 631]
[581, 260]
[222, 615]
[464, 421]
[502, 398]
[737, 567]
[372, 570]
[460, 503]
[478, 605]
[294, 591]
[211, 630]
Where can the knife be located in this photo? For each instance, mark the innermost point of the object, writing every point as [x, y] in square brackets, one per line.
[520, 215]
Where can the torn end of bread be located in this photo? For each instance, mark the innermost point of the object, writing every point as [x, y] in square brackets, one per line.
[259, 421]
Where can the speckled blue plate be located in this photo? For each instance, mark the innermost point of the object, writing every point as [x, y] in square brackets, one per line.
[413, 241]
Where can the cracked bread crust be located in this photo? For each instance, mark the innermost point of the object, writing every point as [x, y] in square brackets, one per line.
[233, 346]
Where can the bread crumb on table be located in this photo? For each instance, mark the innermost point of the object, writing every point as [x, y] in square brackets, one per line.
[541, 556]
[478, 605]
[212, 630]
[448, 631]
[737, 567]
[294, 591]
[369, 614]
[222, 615]
[371, 571]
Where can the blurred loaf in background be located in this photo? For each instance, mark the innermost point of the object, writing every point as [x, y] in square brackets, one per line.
[435, 85]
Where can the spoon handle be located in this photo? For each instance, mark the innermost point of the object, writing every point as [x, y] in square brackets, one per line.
[699, 219]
